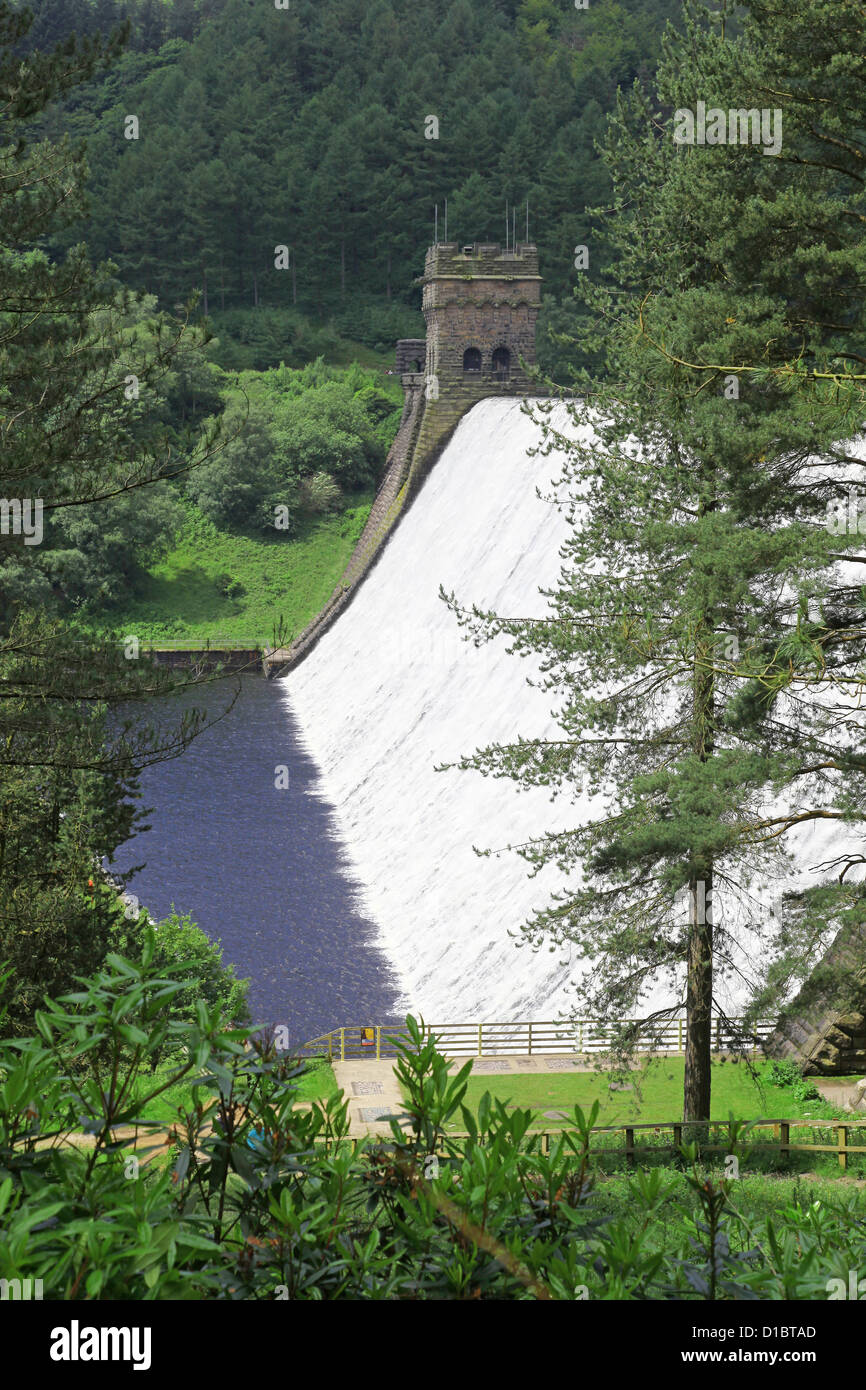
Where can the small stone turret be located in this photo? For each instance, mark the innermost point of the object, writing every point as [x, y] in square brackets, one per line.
[411, 354]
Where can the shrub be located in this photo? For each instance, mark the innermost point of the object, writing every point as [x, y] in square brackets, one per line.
[319, 494]
[241, 485]
[262, 1200]
[183, 951]
[787, 1074]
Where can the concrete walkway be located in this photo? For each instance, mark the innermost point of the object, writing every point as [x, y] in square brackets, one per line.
[371, 1088]
[372, 1092]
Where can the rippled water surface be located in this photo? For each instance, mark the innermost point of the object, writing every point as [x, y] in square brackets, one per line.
[261, 868]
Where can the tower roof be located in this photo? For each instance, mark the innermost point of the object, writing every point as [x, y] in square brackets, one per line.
[483, 260]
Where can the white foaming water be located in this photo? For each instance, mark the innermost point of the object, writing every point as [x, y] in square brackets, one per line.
[392, 690]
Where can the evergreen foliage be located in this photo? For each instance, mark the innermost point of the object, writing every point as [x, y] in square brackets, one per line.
[261, 1200]
[79, 445]
[313, 137]
[704, 647]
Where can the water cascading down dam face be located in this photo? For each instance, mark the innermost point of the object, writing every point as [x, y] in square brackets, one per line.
[392, 690]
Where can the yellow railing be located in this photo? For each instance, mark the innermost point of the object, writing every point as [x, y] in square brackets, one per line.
[527, 1039]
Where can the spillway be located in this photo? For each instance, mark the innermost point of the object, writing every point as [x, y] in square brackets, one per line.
[392, 690]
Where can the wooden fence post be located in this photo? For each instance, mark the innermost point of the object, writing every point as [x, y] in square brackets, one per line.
[678, 1136]
[342, 1044]
[785, 1136]
[480, 1042]
[629, 1146]
[680, 1035]
[378, 1041]
[842, 1140]
[530, 1040]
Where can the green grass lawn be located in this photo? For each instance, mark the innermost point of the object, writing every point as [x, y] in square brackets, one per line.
[317, 1083]
[657, 1099]
[657, 1095]
[274, 577]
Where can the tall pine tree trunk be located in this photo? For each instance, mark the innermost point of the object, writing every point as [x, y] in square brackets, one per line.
[699, 1001]
[699, 980]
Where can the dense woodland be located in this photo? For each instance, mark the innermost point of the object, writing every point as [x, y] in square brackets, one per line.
[306, 128]
[311, 137]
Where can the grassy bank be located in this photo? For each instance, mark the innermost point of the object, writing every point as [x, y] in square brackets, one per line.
[317, 1083]
[656, 1094]
[216, 583]
[754, 1199]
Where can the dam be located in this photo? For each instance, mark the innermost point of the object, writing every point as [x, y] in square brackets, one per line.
[423, 897]
[357, 894]
[392, 691]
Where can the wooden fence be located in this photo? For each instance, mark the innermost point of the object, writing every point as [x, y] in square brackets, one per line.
[781, 1138]
[781, 1145]
[582, 1037]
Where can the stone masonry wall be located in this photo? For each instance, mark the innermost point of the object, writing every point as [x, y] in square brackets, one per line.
[383, 513]
[824, 1028]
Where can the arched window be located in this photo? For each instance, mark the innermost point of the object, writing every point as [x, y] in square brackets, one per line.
[472, 360]
[501, 361]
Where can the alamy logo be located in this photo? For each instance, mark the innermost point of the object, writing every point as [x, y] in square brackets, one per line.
[21, 1289]
[21, 517]
[856, 1288]
[76, 1343]
[734, 127]
[846, 516]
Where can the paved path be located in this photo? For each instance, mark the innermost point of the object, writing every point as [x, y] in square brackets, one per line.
[372, 1092]
[371, 1088]
[841, 1093]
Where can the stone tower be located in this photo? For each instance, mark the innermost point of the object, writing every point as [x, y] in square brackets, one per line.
[480, 304]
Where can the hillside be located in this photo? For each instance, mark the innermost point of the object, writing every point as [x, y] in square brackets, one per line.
[310, 128]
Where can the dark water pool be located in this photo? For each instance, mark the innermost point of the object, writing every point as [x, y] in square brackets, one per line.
[260, 868]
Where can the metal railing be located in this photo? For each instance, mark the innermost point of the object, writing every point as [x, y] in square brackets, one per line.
[582, 1036]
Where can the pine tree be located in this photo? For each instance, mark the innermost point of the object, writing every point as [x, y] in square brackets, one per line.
[690, 672]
